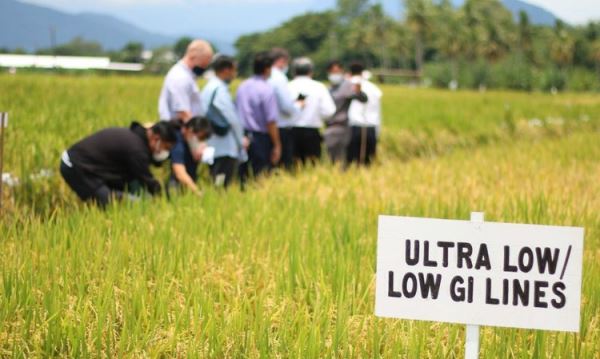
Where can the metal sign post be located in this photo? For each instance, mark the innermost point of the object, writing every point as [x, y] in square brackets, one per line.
[472, 331]
[3, 125]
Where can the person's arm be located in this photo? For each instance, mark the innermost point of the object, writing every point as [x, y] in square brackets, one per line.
[181, 101]
[274, 134]
[327, 107]
[184, 178]
[224, 103]
[285, 100]
[139, 167]
[272, 114]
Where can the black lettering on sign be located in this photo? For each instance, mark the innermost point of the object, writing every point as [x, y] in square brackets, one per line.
[488, 293]
[409, 293]
[445, 247]
[414, 259]
[547, 260]
[465, 250]
[539, 293]
[457, 292]
[525, 259]
[505, 291]
[520, 293]
[426, 261]
[558, 289]
[391, 292]
[429, 283]
[483, 258]
[470, 290]
[507, 266]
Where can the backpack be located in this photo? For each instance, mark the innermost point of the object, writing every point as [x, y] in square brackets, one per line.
[219, 123]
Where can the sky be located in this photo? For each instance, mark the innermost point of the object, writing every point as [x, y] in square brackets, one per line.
[572, 11]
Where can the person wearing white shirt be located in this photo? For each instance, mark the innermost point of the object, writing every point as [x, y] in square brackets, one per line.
[230, 148]
[180, 95]
[285, 104]
[364, 120]
[315, 104]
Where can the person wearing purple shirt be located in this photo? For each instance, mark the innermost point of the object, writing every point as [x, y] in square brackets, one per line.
[257, 107]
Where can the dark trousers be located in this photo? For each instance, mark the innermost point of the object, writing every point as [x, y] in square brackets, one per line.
[307, 144]
[223, 171]
[287, 148]
[259, 155]
[88, 187]
[363, 145]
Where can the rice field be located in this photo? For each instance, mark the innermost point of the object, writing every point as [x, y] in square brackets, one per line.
[285, 269]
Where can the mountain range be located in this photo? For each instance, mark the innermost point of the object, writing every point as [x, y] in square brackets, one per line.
[29, 26]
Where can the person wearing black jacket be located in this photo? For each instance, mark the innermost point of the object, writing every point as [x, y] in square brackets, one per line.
[101, 167]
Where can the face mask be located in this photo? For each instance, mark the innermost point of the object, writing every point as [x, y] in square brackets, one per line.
[198, 71]
[193, 144]
[160, 155]
[336, 79]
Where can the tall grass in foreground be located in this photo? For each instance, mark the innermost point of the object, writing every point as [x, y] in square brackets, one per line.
[287, 268]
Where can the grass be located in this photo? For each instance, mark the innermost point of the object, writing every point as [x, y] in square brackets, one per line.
[285, 269]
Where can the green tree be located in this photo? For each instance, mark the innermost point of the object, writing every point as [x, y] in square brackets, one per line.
[491, 29]
[451, 34]
[563, 46]
[418, 19]
[181, 46]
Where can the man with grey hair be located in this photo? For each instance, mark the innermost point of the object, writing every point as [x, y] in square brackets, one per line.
[315, 105]
[180, 95]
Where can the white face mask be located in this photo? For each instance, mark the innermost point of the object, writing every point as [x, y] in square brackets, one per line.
[160, 155]
[336, 79]
[193, 143]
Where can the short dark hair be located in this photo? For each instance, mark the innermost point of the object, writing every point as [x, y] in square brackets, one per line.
[199, 124]
[333, 63]
[279, 53]
[303, 66]
[167, 131]
[223, 62]
[357, 68]
[262, 62]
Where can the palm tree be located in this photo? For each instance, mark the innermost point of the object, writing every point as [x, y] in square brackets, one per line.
[418, 14]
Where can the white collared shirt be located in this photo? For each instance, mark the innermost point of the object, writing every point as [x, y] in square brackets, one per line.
[366, 114]
[285, 101]
[318, 104]
[179, 93]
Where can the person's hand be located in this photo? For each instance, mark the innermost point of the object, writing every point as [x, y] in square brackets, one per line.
[197, 152]
[356, 88]
[276, 155]
[245, 143]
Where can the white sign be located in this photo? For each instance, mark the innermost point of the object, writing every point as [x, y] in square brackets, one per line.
[495, 274]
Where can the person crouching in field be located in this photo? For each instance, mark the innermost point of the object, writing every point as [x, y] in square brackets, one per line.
[101, 167]
[228, 138]
[316, 105]
[187, 154]
[364, 120]
[343, 91]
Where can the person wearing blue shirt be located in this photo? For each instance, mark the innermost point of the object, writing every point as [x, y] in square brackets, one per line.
[230, 149]
[286, 104]
[184, 166]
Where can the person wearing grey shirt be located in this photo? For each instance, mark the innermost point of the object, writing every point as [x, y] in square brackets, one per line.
[180, 96]
[343, 91]
[230, 149]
